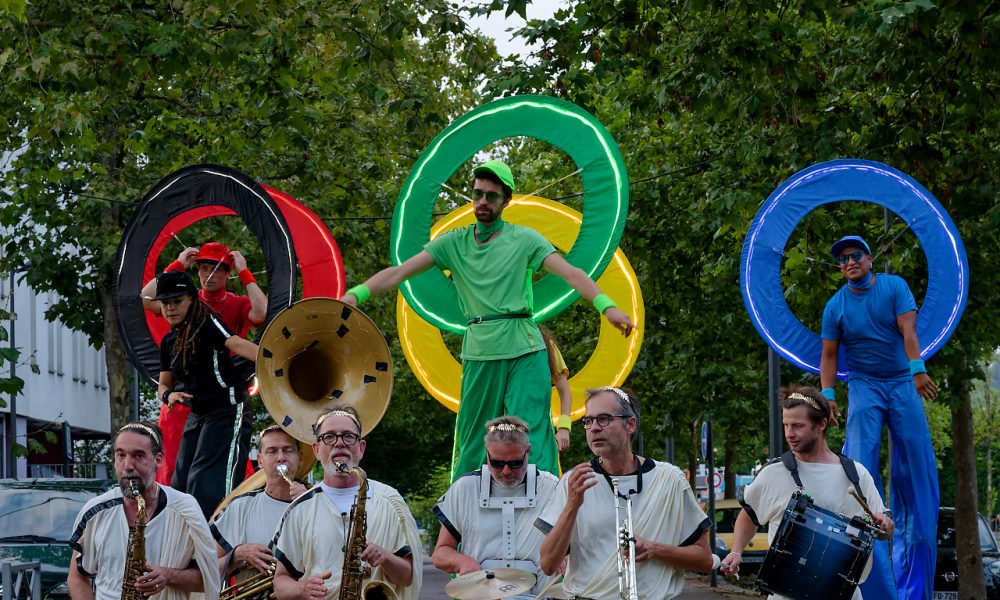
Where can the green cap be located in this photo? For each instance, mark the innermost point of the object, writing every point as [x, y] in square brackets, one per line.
[498, 168]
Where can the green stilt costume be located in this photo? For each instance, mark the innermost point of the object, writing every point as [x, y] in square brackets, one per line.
[505, 364]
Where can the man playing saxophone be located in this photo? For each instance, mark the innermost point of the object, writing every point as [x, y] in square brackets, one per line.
[244, 528]
[310, 542]
[582, 519]
[179, 553]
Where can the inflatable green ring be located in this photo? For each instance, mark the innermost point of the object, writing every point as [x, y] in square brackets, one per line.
[562, 124]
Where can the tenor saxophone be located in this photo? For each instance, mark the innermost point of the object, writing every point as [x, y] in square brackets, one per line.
[135, 551]
[352, 580]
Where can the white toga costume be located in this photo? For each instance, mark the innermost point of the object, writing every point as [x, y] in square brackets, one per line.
[176, 536]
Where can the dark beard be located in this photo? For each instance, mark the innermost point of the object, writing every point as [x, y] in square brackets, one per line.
[808, 448]
[127, 483]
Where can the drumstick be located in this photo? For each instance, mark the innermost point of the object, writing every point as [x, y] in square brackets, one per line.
[854, 492]
[551, 584]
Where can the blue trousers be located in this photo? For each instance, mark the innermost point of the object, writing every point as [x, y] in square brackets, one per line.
[914, 495]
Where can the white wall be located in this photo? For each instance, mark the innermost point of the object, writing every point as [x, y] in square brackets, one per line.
[72, 381]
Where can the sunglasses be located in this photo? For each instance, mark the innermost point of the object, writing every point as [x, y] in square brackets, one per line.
[513, 464]
[491, 197]
[856, 256]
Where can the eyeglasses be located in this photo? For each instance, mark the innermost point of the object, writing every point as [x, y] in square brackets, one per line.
[348, 437]
[513, 464]
[856, 256]
[491, 197]
[603, 419]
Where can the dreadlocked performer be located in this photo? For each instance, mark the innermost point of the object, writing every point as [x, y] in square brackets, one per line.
[196, 368]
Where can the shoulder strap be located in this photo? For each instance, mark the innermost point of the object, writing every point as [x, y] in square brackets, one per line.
[788, 459]
[851, 470]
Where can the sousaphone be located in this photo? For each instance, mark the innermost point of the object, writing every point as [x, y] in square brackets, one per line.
[316, 354]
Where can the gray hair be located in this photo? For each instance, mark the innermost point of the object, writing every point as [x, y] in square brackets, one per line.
[628, 403]
[506, 430]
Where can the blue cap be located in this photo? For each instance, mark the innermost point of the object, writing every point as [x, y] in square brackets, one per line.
[846, 242]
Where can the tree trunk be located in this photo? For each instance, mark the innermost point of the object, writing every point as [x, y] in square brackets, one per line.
[971, 582]
[729, 460]
[114, 356]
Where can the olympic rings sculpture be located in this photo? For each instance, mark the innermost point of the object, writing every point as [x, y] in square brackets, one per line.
[837, 181]
[560, 123]
[612, 360]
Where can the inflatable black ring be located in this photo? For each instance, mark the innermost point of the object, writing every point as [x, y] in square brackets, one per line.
[190, 189]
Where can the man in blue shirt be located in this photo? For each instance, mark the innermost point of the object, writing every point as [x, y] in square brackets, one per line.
[874, 317]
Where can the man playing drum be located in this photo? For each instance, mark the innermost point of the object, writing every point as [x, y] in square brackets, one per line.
[492, 511]
[581, 519]
[805, 415]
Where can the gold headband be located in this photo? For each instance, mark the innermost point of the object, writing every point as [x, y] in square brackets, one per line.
[337, 413]
[144, 428]
[506, 427]
[811, 402]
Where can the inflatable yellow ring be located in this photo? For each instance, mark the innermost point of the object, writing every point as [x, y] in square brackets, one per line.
[612, 360]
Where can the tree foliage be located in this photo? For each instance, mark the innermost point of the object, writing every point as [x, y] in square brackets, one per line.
[330, 102]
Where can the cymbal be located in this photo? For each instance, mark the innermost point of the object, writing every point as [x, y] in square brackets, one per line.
[491, 584]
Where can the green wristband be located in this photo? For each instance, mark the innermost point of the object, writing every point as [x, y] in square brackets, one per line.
[564, 422]
[361, 292]
[602, 303]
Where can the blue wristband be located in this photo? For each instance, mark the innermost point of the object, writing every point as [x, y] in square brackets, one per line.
[917, 366]
[829, 394]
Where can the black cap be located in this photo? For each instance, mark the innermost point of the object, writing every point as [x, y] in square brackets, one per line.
[172, 284]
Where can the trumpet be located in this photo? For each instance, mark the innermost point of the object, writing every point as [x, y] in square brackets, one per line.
[627, 580]
[283, 471]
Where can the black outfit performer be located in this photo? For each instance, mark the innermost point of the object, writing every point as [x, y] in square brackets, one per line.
[211, 460]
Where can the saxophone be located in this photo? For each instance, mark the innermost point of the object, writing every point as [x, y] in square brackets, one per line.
[354, 573]
[135, 551]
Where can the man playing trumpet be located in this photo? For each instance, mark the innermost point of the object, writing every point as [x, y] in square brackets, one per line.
[805, 415]
[311, 539]
[582, 518]
[246, 525]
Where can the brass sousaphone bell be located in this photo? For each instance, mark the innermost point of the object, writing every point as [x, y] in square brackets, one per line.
[319, 353]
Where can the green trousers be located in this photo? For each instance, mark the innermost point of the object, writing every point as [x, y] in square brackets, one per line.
[521, 387]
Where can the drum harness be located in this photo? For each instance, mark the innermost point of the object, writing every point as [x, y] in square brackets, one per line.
[507, 506]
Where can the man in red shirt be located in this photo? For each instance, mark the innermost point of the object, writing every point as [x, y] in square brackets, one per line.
[240, 313]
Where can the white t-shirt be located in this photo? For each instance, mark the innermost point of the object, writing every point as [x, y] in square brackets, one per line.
[664, 510]
[480, 530]
[768, 495]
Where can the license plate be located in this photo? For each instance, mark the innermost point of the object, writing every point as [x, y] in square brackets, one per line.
[945, 595]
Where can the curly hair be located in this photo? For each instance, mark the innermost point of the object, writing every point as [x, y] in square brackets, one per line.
[187, 332]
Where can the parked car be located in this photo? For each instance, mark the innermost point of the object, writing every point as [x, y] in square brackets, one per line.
[726, 512]
[946, 575]
[36, 522]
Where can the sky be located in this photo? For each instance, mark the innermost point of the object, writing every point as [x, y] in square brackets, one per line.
[496, 26]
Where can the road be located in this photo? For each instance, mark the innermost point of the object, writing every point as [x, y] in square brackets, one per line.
[695, 587]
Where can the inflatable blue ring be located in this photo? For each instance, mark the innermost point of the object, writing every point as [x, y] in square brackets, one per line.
[837, 181]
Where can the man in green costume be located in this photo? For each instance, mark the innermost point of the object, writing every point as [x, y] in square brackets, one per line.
[504, 361]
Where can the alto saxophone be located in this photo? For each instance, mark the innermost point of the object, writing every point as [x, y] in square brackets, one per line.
[135, 551]
[354, 573]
